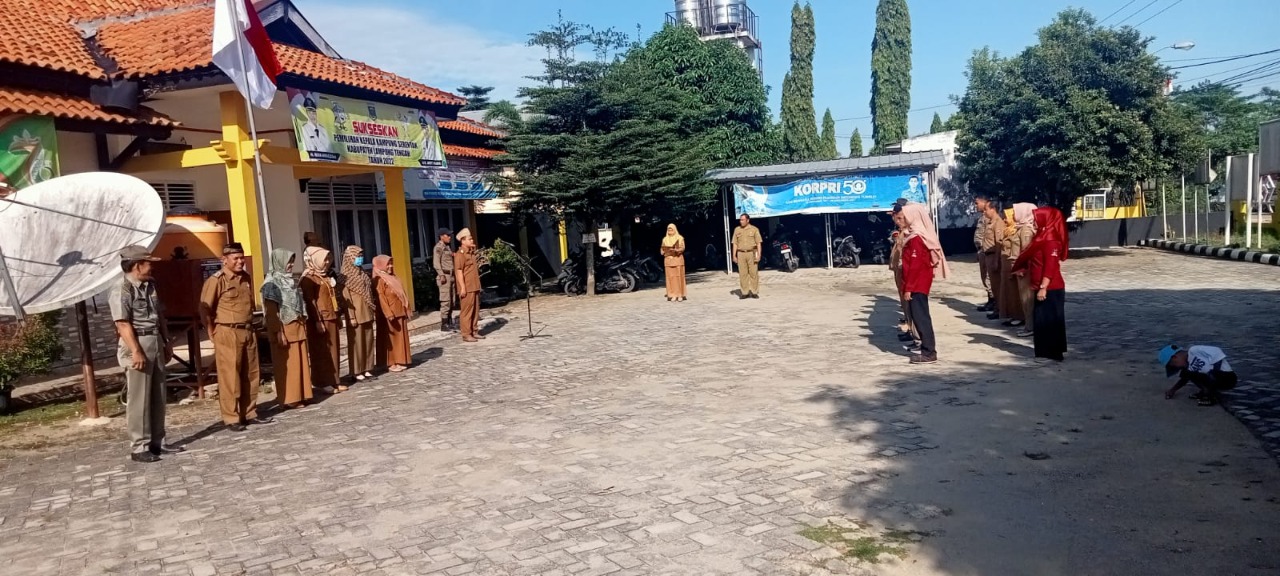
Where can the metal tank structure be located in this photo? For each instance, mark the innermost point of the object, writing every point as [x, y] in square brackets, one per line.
[722, 20]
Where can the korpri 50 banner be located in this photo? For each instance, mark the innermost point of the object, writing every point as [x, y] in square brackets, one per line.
[851, 193]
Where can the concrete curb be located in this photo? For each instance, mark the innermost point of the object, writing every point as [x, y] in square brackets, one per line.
[1237, 254]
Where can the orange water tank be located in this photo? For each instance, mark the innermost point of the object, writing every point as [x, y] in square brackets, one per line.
[188, 234]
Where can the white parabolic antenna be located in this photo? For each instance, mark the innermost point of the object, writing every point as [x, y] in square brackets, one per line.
[61, 237]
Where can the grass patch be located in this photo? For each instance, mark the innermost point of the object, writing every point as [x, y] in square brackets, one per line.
[47, 414]
[866, 548]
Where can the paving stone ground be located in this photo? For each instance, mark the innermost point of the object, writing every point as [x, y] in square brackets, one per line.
[645, 437]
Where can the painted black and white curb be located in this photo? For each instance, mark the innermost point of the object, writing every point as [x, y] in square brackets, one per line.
[1238, 254]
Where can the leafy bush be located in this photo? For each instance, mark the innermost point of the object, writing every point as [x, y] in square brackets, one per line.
[29, 347]
[426, 293]
[504, 269]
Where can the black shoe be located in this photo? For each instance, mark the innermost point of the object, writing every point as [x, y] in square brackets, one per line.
[444, 327]
[260, 420]
[743, 296]
[158, 450]
[993, 316]
[924, 359]
[237, 427]
[144, 457]
[913, 347]
[905, 337]
[755, 296]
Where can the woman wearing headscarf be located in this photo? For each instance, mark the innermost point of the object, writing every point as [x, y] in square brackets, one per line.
[1024, 222]
[360, 310]
[1041, 261]
[922, 261]
[393, 307]
[286, 319]
[1015, 241]
[673, 262]
[319, 290]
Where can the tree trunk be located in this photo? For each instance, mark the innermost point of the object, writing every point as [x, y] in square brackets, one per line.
[591, 256]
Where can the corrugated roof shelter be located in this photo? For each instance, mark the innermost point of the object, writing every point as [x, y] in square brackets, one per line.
[785, 172]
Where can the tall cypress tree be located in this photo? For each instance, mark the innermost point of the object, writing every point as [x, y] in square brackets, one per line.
[855, 144]
[890, 74]
[799, 127]
[937, 125]
[829, 150]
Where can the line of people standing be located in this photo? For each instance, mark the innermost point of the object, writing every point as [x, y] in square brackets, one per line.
[1019, 256]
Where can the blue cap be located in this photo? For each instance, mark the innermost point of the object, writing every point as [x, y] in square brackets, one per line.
[1166, 354]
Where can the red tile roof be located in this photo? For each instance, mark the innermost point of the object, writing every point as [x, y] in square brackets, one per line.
[470, 152]
[32, 36]
[180, 41]
[471, 127]
[17, 101]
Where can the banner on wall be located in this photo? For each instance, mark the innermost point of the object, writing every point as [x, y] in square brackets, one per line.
[849, 193]
[28, 150]
[347, 131]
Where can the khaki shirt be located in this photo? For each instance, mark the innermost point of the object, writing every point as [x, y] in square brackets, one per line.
[992, 235]
[1015, 243]
[746, 239]
[978, 230]
[227, 298]
[466, 265]
[322, 302]
[136, 303]
[895, 253]
[442, 259]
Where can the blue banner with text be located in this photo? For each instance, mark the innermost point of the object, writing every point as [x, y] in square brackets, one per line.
[849, 193]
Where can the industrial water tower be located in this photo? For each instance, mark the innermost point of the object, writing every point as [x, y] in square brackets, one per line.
[722, 19]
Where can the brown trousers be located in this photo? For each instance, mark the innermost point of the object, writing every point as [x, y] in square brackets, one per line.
[235, 353]
[748, 273]
[675, 282]
[982, 272]
[1010, 301]
[1027, 298]
[360, 348]
[992, 281]
[292, 369]
[325, 353]
[397, 341]
[469, 318]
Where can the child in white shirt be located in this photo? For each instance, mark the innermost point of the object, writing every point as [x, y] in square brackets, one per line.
[1204, 366]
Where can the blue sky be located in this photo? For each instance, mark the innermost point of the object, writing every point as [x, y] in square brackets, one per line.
[448, 44]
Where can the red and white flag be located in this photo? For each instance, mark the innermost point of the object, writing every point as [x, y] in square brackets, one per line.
[242, 50]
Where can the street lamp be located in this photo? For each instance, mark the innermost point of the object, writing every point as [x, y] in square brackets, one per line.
[1184, 45]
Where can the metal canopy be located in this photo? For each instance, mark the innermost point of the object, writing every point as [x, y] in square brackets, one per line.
[926, 160]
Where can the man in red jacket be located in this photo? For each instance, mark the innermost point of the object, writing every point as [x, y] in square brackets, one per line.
[922, 258]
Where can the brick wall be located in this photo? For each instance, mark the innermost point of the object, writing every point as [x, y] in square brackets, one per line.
[102, 332]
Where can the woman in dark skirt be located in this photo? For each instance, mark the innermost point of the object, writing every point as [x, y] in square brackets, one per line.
[1042, 262]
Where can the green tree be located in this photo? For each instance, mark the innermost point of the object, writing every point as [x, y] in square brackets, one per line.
[799, 127]
[1080, 109]
[1228, 120]
[829, 150]
[890, 74]
[477, 97]
[505, 114]
[937, 125]
[855, 144]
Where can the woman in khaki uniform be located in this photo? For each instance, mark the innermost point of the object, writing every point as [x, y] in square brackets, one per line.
[673, 263]
[1015, 241]
[323, 321]
[1024, 221]
[360, 310]
[393, 305]
[286, 319]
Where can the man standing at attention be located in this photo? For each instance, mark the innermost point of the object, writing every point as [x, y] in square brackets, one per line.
[466, 270]
[442, 259]
[980, 202]
[747, 249]
[143, 352]
[226, 310]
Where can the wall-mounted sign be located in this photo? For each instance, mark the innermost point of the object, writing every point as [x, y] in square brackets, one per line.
[850, 193]
[343, 130]
[441, 184]
[28, 150]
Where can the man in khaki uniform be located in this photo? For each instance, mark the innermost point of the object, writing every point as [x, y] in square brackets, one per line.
[747, 249]
[143, 352]
[466, 269]
[226, 310]
[442, 259]
[980, 203]
[992, 227]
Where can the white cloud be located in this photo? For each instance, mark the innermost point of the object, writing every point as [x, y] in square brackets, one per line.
[414, 44]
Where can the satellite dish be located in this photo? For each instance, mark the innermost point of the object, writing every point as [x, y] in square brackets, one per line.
[60, 238]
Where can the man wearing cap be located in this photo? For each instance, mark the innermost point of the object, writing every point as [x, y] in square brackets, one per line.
[226, 310]
[1204, 366]
[143, 352]
[466, 271]
[442, 259]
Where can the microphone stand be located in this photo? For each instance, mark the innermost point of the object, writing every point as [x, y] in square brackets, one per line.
[526, 268]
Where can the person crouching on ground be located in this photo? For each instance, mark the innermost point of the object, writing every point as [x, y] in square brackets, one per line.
[922, 260]
[1204, 366]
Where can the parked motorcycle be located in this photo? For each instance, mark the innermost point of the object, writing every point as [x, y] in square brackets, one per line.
[845, 253]
[611, 276]
[647, 269]
[787, 261]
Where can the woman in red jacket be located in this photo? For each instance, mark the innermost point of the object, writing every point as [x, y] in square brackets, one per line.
[1042, 262]
[922, 260]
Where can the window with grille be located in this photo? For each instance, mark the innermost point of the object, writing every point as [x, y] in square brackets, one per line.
[175, 194]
